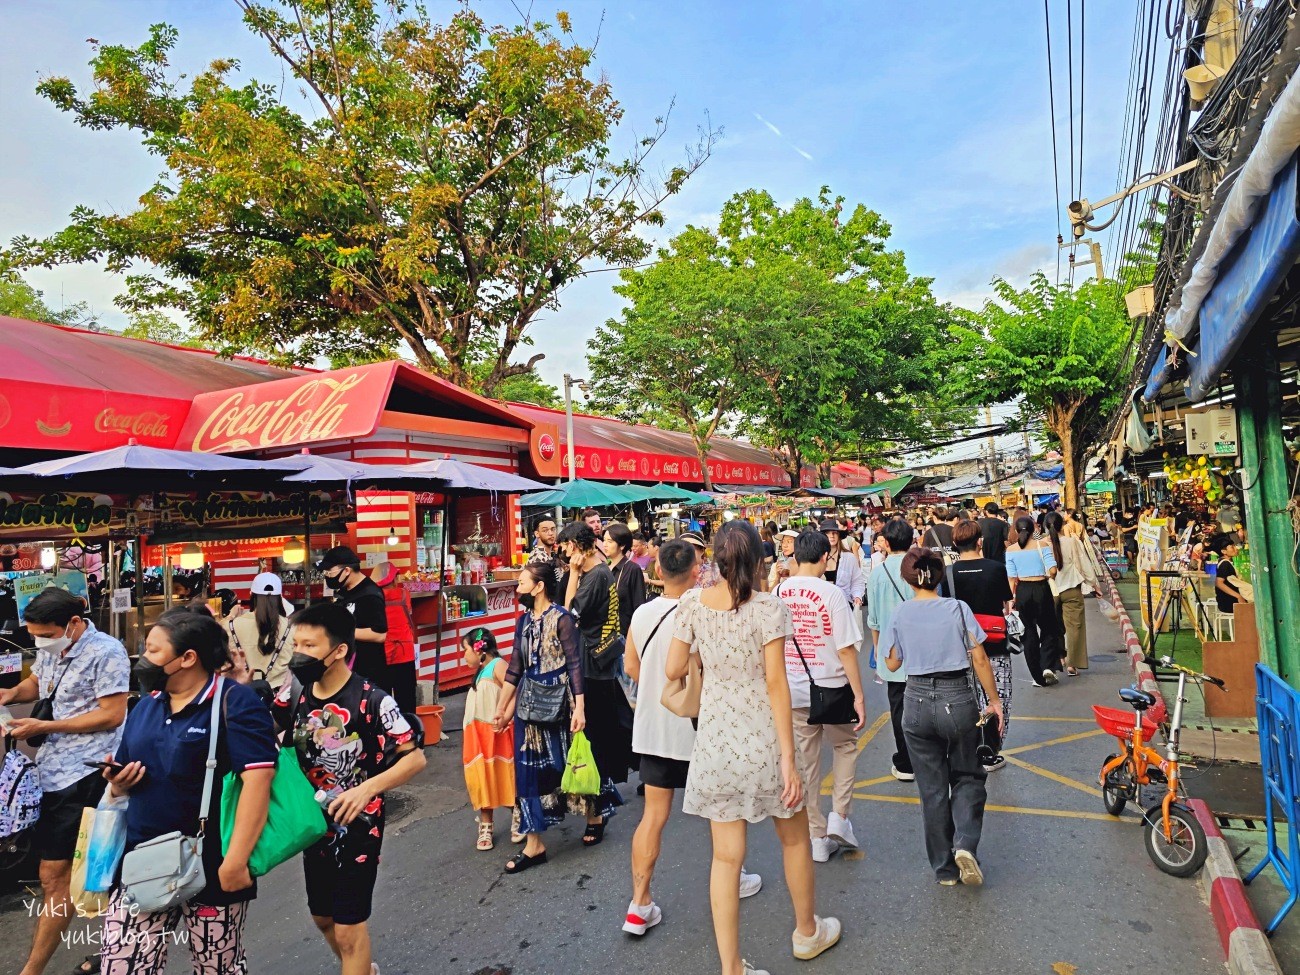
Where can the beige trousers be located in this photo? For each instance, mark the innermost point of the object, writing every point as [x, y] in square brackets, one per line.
[808, 741]
[1076, 629]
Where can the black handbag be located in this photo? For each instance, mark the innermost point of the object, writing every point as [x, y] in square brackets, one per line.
[43, 709]
[826, 705]
[540, 703]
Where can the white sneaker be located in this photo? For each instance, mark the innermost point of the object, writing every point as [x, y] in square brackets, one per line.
[751, 970]
[750, 884]
[823, 848]
[642, 917]
[828, 933]
[840, 829]
[902, 776]
[1049, 679]
[971, 874]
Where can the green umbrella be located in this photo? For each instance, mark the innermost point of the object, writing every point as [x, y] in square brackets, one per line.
[579, 494]
[670, 492]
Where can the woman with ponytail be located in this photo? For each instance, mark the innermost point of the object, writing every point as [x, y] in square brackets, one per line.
[488, 753]
[1031, 563]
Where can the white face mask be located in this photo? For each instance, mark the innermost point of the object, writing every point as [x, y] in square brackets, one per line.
[54, 644]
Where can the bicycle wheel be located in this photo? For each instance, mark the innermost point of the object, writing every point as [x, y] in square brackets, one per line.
[1114, 794]
[1185, 850]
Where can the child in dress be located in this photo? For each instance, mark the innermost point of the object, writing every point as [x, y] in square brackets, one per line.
[489, 755]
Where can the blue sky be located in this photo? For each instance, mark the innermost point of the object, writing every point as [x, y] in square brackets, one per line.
[933, 113]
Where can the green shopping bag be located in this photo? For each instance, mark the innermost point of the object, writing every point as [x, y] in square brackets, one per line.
[581, 777]
[293, 822]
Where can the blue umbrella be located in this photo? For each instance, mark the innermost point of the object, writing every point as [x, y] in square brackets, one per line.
[143, 460]
[579, 494]
[323, 469]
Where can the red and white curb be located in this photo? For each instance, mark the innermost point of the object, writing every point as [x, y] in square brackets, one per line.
[1146, 680]
[1242, 937]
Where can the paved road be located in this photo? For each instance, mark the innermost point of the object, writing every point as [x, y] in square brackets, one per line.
[1069, 891]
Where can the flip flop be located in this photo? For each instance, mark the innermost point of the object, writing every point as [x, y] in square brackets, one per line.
[522, 861]
[90, 965]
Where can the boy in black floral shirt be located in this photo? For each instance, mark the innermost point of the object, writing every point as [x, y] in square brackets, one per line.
[353, 744]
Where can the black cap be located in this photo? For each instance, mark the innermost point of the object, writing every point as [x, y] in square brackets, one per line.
[339, 555]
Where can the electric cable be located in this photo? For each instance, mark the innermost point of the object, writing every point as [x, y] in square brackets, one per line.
[1051, 109]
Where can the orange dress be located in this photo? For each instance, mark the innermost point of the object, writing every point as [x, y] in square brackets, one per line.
[489, 755]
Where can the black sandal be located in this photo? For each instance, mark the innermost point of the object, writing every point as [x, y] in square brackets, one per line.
[522, 861]
[90, 965]
[594, 833]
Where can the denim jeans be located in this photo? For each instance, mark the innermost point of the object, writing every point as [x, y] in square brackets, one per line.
[939, 716]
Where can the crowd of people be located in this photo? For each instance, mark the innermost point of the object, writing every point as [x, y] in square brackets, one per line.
[775, 629]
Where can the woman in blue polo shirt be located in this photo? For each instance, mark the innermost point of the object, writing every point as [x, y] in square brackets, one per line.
[164, 752]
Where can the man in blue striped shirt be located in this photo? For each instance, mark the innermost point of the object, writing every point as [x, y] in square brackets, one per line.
[885, 590]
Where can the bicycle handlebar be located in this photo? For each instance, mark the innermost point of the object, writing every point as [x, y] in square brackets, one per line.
[1168, 664]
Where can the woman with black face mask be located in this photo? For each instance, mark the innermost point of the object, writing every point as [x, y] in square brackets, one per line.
[161, 763]
[547, 655]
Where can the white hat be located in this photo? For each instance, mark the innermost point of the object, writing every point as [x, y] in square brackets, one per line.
[267, 584]
[270, 584]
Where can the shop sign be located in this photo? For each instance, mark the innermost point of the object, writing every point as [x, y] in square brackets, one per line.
[218, 508]
[146, 423]
[339, 405]
[27, 588]
[633, 465]
[78, 513]
[1099, 487]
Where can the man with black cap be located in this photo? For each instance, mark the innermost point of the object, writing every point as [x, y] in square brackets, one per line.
[359, 595]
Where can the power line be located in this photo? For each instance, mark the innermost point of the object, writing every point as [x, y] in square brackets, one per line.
[1083, 16]
[1056, 168]
[1069, 76]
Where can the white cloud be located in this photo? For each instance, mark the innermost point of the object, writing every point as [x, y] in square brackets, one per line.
[775, 130]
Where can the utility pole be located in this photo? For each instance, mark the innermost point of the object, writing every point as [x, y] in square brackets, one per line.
[569, 383]
[993, 451]
[1092, 246]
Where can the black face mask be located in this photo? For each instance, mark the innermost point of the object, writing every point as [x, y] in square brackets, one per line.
[306, 668]
[527, 600]
[150, 676]
[339, 582]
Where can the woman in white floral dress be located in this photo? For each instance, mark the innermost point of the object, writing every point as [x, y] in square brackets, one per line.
[743, 764]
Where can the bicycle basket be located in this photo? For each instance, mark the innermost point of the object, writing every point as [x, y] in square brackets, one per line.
[1119, 723]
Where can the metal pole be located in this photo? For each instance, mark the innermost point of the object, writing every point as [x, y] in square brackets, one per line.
[568, 419]
[1266, 495]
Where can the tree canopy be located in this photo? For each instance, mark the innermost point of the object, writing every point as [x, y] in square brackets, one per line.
[1060, 350]
[793, 326]
[18, 299]
[437, 186]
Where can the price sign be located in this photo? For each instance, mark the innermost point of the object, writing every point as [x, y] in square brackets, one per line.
[11, 663]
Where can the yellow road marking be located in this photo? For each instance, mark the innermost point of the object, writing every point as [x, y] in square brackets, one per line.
[1023, 810]
[1056, 777]
[1019, 749]
[881, 720]
[867, 783]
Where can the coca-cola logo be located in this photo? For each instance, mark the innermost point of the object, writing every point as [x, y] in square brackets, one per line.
[146, 424]
[546, 446]
[310, 413]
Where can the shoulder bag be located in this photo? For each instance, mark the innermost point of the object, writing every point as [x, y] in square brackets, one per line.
[682, 696]
[540, 703]
[43, 710]
[167, 871]
[826, 705]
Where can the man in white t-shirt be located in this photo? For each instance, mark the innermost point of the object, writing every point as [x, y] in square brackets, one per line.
[826, 638]
[662, 740]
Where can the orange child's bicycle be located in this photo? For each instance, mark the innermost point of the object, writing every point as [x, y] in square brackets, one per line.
[1174, 839]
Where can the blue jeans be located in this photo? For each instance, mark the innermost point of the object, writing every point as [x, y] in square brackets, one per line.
[939, 716]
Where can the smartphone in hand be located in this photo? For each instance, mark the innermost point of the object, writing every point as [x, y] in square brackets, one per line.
[101, 766]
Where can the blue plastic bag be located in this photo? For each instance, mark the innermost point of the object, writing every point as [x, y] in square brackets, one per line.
[107, 843]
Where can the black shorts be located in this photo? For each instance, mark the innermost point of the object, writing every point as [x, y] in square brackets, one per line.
[341, 874]
[664, 773]
[54, 837]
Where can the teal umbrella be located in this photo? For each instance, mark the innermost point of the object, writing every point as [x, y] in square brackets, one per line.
[579, 494]
[671, 492]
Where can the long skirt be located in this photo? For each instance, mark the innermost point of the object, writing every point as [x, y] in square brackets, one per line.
[540, 753]
[609, 728]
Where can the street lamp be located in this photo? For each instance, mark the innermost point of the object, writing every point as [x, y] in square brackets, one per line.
[569, 383]
[1081, 211]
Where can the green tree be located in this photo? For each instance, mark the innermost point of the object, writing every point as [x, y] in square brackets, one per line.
[443, 185]
[1056, 349]
[157, 327]
[792, 326]
[18, 299]
[678, 352]
[525, 387]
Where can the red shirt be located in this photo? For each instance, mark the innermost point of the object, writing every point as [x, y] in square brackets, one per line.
[399, 641]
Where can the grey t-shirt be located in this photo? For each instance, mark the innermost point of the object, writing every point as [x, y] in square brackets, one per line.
[932, 635]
